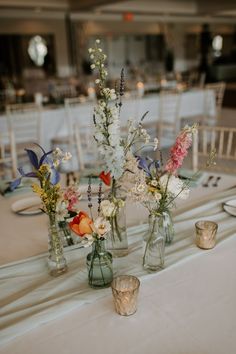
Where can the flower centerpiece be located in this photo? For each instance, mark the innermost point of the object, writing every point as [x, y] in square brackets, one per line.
[45, 171]
[157, 186]
[113, 146]
[94, 232]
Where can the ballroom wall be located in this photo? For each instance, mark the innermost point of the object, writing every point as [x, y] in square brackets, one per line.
[40, 26]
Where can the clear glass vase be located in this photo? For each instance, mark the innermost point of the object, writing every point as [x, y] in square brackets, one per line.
[117, 241]
[56, 260]
[66, 234]
[99, 264]
[167, 226]
[154, 251]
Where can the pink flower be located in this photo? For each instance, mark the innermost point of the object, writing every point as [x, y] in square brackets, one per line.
[180, 150]
[72, 195]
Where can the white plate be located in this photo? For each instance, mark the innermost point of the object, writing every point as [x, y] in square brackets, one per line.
[27, 206]
[230, 207]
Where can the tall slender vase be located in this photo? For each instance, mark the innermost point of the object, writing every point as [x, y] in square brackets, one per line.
[117, 241]
[56, 261]
[167, 226]
[99, 264]
[154, 252]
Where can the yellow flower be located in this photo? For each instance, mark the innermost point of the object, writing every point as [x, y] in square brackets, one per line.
[44, 168]
[37, 189]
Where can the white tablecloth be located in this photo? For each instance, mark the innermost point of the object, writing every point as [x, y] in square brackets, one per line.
[187, 308]
[54, 121]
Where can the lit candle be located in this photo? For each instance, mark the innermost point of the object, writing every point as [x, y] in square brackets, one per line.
[125, 289]
[206, 234]
[140, 88]
[91, 93]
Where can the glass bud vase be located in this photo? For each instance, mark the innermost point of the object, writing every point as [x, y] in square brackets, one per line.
[117, 241]
[154, 252]
[99, 264]
[167, 226]
[56, 260]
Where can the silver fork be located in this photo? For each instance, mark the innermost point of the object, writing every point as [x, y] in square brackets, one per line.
[215, 184]
[208, 181]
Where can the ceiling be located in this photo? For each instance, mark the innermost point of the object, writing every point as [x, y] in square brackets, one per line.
[214, 8]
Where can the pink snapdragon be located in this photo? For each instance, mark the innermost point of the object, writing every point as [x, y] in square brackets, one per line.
[180, 150]
[72, 196]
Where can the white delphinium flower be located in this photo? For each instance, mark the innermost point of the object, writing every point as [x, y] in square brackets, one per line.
[92, 66]
[97, 41]
[97, 81]
[108, 208]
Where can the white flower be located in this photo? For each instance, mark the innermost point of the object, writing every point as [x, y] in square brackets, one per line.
[140, 188]
[102, 226]
[154, 182]
[90, 50]
[107, 208]
[61, 210]
[97, 81]
[92, 66]
[67, 156]
[157, 196]
[97, 41]
[92, 56]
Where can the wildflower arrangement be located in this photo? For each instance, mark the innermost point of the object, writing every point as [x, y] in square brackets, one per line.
[111, 145]
[114, 147]
[86, 226]
[45, 170]
[154, 184]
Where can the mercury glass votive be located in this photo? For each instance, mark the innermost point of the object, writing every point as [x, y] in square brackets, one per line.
[125, 289]
[206, 234]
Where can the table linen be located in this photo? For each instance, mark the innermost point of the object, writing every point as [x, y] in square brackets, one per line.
[54, 122]
[29, 297]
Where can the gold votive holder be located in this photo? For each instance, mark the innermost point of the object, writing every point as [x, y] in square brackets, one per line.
[206, 234]
[125, 289]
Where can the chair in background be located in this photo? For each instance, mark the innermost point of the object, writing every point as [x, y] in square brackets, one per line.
[220, 139]
[24, 120]
[86, 147]
[76, 113]
[169, 119]
[213, 100]
[8, 161]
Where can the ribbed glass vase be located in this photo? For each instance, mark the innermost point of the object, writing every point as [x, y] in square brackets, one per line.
[99, 264]
[154, 251]
[56, 261]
